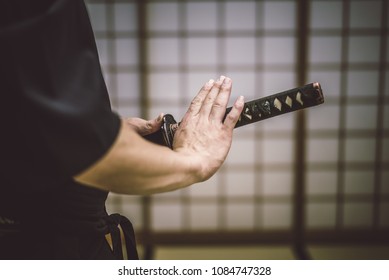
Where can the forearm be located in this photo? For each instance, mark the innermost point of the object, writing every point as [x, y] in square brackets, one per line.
[201, 144]
[135, 166]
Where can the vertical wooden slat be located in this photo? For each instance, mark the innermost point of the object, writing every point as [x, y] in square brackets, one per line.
[380, 117]
[300, 135]
[344, 67]
[148, 249]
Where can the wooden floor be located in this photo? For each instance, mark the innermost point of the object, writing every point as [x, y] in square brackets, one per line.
[270, 253]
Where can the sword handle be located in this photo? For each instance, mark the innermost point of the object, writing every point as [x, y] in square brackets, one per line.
[280, 103]
[253, 111]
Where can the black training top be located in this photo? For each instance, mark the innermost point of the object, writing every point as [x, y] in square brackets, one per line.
[55, 121]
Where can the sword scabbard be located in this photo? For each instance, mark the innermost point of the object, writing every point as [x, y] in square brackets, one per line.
[254, 111]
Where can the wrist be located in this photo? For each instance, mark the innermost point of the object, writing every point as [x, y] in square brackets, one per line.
[199, 168]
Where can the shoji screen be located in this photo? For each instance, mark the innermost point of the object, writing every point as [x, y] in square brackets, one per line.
[157, 54]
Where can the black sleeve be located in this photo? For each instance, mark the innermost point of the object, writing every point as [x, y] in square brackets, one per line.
[55, 112]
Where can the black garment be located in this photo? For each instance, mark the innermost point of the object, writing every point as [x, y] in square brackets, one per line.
[55, 121]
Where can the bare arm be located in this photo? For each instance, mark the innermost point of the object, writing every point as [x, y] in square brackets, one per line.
[201, 144]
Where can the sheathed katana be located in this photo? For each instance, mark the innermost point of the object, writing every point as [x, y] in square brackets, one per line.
[253, 111]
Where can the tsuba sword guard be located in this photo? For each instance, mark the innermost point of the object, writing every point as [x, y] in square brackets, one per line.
[253, 111]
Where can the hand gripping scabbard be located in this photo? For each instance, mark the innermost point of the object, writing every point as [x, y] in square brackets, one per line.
[253, 111]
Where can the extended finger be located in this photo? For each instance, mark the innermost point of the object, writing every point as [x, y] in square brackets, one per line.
[198, 100]
[211, 97]
[233, 116]
[219, 106]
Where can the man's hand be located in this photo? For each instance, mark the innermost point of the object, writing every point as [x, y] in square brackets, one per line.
[134, 165]
[202, 134]
[143, 127]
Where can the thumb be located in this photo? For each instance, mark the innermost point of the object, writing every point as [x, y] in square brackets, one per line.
[152, 126]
